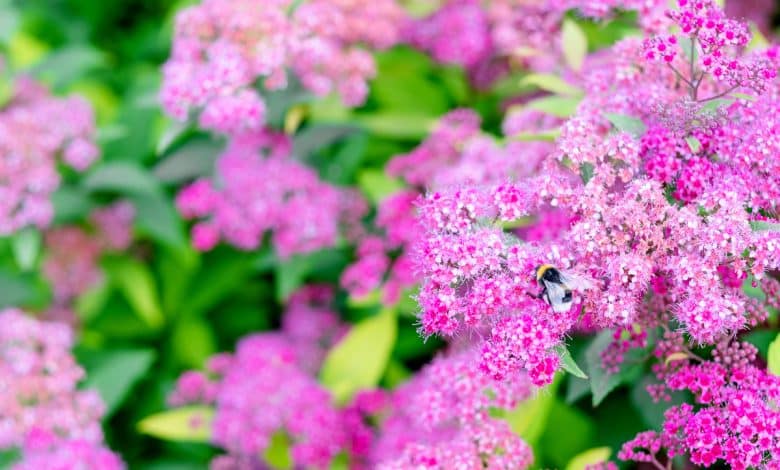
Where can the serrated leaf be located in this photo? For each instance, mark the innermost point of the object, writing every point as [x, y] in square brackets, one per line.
[114, 372]
[574, 44]
[188, 424]
[371, 341]
[589, 457]
[763, 225]
[568, 363]
[377, 185]
[693, 144]
[773, 357]
[135, 281]
[627, 124]
[551, 83]
[560, 106]
[26, 245]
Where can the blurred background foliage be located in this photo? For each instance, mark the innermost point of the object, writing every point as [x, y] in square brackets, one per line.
[164, 308]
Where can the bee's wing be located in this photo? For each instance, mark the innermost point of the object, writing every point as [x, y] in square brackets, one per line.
[574, 282]
[557, 296]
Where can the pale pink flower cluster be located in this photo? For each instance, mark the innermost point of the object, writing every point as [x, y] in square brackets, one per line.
[37, 130]
[227, 54]
[41, 409]
[73, 253]
[260, 188]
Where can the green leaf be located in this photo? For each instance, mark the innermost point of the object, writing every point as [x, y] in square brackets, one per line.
[26, 245]
[121, 177]
[191, 160]
[602, 382]
[189, 424]
[359, 360]
[193, 342]
[691, 53]
[397, 125]
[568, 363]
[135, 281]
[628, 124]
[529, 418]
[589, 457]
[89, 304]
[318, 136]
[70, 203]
[8, 457]
[552, 83]
[744, 96]
[68, 63]
[773, 357]
[277, 454]
[113, 373]
[713, 105]
[580, 433]
[652, 412]
[290, 274]
[586, 172]
[15, 290]
[157, 218]
[574, 44]
[9, 20]
[764, 225]
[377, 185]
[560, 106]
[693, 144]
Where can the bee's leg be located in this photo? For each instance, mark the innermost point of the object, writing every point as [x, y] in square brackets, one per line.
[540, 295]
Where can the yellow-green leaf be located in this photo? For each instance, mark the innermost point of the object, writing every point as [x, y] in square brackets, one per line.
[529, 418]
[589, 457]
[678, 356]
[189, 424]
[773, 357]
[277, 454]
[560, 106]
[575, 44]
[359, 360]
[551, 83]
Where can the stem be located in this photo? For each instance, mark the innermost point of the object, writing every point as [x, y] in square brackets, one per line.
[679, 75]
[694, 89]
[719, 95]
[669, 465]
[657, 464]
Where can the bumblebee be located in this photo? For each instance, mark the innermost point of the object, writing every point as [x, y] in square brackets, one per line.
[557, 287]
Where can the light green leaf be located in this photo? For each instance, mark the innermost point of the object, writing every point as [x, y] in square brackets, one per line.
[757, 40]
[114, 372]
[586, 172]
[26, 245]
[89, 304]
[693, 144]
[764, 225]
[15, 290]
[549, 82]
[773, 357]
[628, 124]
[560, 106]
[589, 457]
[568, 363]
[744, 96]
[574, 44]
[543, 136]
[70, 203]
[580, 433]
[135, 281]
[277, 454]
[713, 105]
[157, 218]
[397, 125]
[188, 424]
[359, 360]
[377, 185]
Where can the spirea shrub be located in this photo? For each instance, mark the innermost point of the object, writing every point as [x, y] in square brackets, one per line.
[326, 249]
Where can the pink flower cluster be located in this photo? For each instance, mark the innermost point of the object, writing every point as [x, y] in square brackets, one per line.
[72, 253]
[694, 224]
[41, 410]
[36, 131]
[734, 419]
[225, 54]
[445, 418]
[259, 188]
[457, 152]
